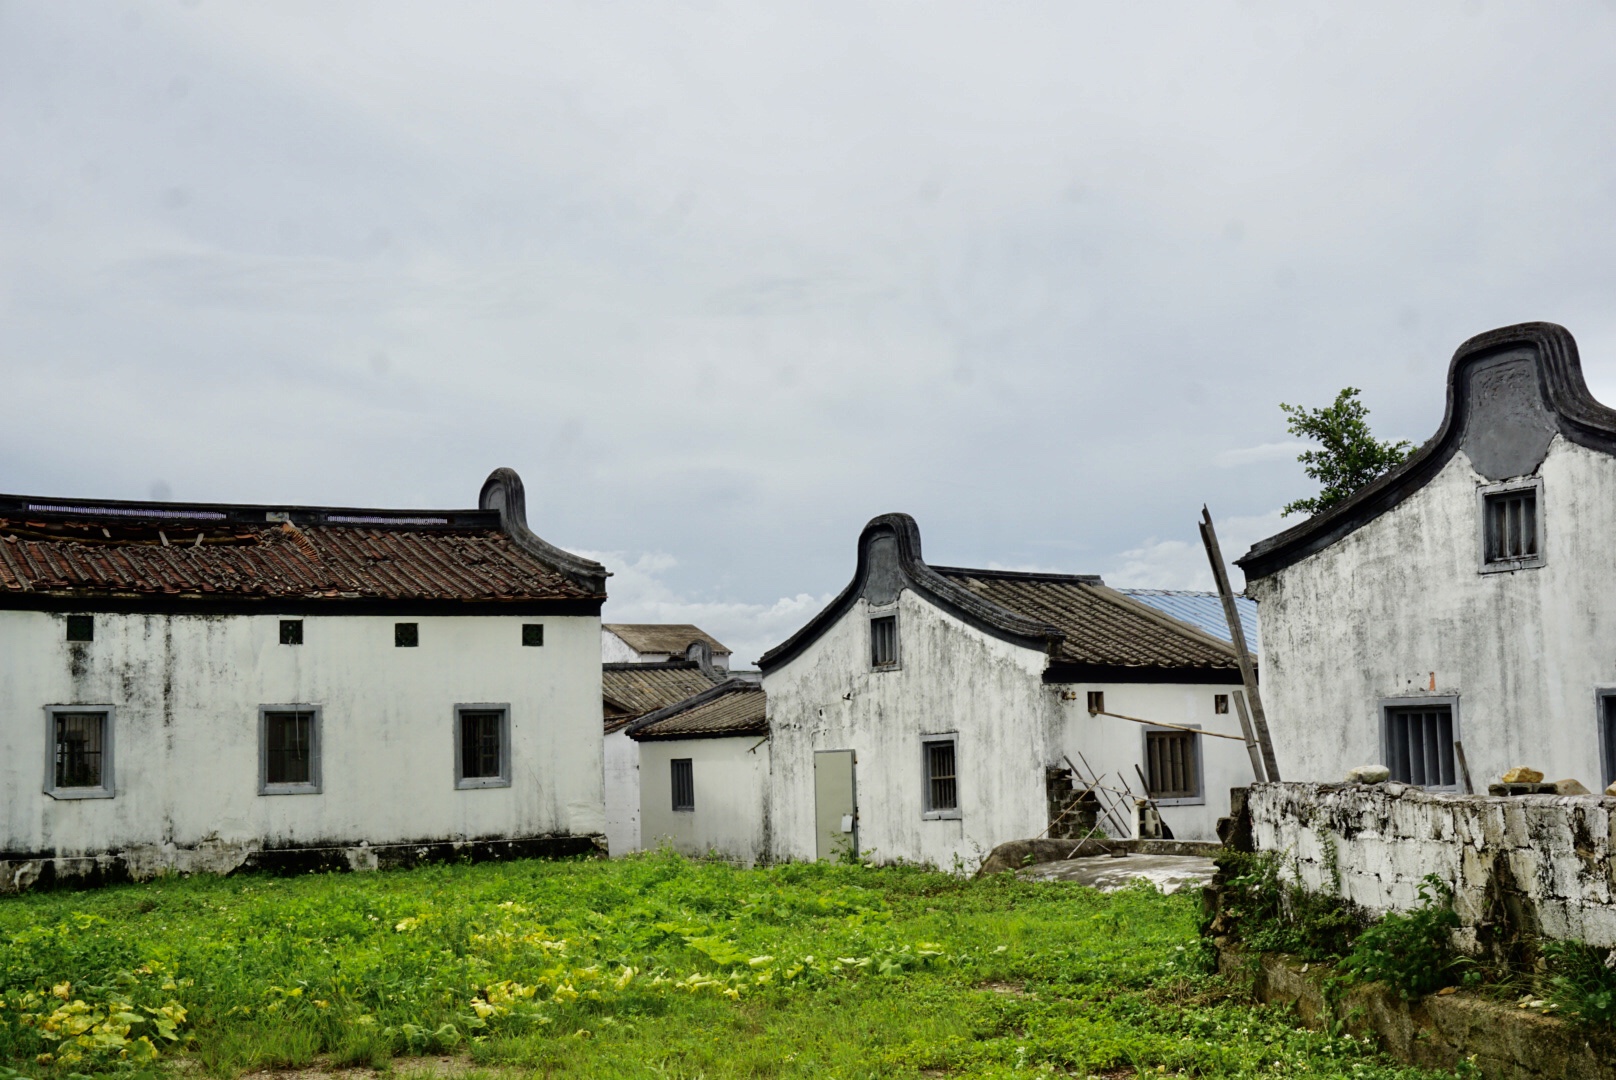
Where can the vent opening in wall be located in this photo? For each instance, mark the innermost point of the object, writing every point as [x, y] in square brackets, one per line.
[81, 628]
[533, 634]
[291, 631]
[1220, 703]
[406, 635]
[1096, 701]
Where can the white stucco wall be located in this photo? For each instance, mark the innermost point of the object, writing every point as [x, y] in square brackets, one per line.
[1115, 746]
[731, 777]
[614, 650]
[952, 678]
[186, 692]
[622, 761]
[1400, 601]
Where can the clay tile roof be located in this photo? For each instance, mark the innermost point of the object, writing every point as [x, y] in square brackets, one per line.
[1102, 627]
[222, 553]
[730, 708]
[671, 638]
[629, 691]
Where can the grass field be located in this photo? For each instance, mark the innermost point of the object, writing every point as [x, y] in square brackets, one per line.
[648, 967]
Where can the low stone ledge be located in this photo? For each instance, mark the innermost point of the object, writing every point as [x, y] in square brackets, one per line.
[1436, 1031]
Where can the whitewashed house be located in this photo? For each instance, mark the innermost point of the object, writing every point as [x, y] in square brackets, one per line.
[1467, 596]
[211, 687]
[928, 712]
[657, 643]
[704, 773]
[628, 692]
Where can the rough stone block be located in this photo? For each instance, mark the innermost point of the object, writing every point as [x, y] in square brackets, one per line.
[1515, 834]
[1520, 774]
[1599, 925]
[1404, 896]
[1548, 825]
[1554, 919]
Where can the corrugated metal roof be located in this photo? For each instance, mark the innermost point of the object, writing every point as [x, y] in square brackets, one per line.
[93, 554]
[671, 638]
[629, 691]
[1102, 626]
[1201, 609]
[737, 708]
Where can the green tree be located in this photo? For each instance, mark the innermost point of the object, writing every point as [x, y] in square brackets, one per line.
[1349, 456]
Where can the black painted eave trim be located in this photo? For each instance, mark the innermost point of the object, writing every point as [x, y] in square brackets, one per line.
[1128, 673]
[194, 604]
[683, 736]
[956, 600]
[1579, 416]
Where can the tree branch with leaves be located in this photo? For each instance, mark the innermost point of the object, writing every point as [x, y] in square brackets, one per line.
[1348, 457]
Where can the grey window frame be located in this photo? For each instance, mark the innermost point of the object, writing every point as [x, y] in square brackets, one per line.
[316, 737]
[109, 784]
[1199, 742]
[673, 786]
[471, 783]
[1605, 699]
[897, 638]
[926, 742]
[1504, 566]
[1429, 701]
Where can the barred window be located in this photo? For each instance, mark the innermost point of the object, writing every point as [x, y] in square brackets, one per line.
[289, 749]
[1511, 526]
[482, 746]
[1171, 769]
[1096, 701]
[1419, 745]
[884, 641]
[684, 784]
[80, 749]
[942, 780]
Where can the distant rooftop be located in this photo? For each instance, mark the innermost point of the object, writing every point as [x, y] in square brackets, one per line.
[1203, 610]
[670, 638]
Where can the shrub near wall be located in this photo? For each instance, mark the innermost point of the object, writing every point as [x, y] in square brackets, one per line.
[1520, 867]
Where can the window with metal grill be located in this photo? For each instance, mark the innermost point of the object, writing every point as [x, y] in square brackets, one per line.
[884, 641]
[288, 748]
[80, 740]
[1096, 701]
[81, 628]
[1511, 526]
[483, 739]
[942, 781]
[1607, 737]
[684, 784]
[1419, 745]
[1171, 770]
[1220, 703]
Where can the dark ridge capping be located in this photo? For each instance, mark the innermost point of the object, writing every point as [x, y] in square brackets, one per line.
[1129, 673]
[655, 665]
[1574, 412]
[728, 686]
[686, 736]
[700, 653]
[1021, 575]
[951, 597]
[503, 492]
[41, 508]
[214, 604]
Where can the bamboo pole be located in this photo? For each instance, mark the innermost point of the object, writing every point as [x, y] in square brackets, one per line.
[1248, 673]
[1251, 740]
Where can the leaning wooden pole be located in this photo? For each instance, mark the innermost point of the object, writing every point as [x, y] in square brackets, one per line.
[1237, 634]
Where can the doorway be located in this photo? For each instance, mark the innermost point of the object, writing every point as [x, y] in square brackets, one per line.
[835, 804]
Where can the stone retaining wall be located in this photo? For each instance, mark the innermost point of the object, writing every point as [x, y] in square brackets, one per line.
[1521, 867]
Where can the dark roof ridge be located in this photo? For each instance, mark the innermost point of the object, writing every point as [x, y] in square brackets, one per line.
[953, 598]
[1576, 413]
[1021, 575]
[503, 491]
[651, 665]
[728, 686]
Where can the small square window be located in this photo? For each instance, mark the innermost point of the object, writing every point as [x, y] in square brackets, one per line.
[81, 628]
[80, 744]
[482, 746]
[1096, 701]
[884, 641]
[406, 635]
[291, 631]
[1172, 766]
[683, 778]
[533, 634]
[289, 750]
[1220, 703]
[942, 779]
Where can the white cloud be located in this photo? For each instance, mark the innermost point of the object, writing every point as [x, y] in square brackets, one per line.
[1182, 564]
[1252, 455]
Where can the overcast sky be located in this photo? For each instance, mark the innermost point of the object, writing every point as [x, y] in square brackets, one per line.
[722, 282]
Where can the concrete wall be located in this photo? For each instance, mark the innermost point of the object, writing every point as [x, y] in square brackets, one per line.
[614, 650]
[186, 692]
[1400, 604]
[951, 678]
[1546, 860]
[1116, 746]
[731, 778]
[622, 762]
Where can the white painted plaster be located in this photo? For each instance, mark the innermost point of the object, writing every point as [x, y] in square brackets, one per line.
[622, 761]
[1401, 600]
[731, 778]
[186, 690]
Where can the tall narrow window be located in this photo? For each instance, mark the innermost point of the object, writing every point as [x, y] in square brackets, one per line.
[1096, 701]
[1607, 738]
[1512, 527]
[1172, 770]
[482, 746]
[942, 778]
[80, 743]
[884, 641]
[1220, 703]
[684, 784]
[1419, 745]
[289, 741]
